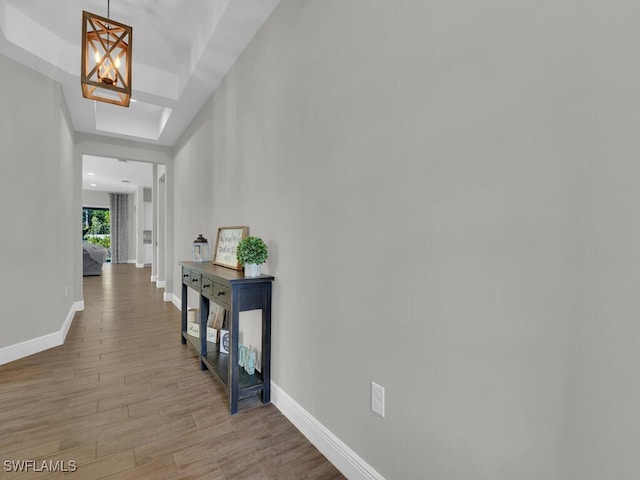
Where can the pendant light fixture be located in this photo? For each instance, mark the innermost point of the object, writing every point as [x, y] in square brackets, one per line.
[106, 59]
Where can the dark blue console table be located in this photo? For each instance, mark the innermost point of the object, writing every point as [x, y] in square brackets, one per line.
[235, 293]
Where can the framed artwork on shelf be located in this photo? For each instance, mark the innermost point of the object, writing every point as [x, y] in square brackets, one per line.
[212, 335]
[193, 329]
[215, 322]
[225, 253]
[216, 316]
[224, 341]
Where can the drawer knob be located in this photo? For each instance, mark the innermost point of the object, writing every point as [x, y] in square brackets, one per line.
[220, 292]
[206, 285]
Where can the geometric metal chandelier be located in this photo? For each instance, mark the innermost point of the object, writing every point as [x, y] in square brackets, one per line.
[106, 59]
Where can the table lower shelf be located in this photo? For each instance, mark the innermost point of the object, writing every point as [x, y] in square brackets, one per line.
[193, 341]
[218, 364]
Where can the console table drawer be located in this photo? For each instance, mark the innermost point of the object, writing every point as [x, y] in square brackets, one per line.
[221, 293]
[194, 279]
[215, 291]
[186, 277]
[207, 287]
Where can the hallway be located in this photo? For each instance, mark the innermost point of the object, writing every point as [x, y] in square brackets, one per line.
[123, 399]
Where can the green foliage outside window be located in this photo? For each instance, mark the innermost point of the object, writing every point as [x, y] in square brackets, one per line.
[96, 227]
[104, 240]
[96, 221]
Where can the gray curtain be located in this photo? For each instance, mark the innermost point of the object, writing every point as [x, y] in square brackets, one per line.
[119, 235]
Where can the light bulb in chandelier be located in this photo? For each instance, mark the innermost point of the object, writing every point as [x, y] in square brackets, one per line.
[107, 68]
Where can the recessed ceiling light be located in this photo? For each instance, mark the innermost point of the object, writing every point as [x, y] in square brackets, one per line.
[90, 173]
[93, 185]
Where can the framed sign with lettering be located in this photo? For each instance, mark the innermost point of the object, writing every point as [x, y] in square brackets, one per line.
[227, 241]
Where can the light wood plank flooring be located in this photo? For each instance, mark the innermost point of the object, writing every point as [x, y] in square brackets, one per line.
[123, 399]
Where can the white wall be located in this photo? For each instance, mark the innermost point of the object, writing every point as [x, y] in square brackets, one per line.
[160, 233]
[95, 199]
[139, 221]
[38, 242]
[449, 195]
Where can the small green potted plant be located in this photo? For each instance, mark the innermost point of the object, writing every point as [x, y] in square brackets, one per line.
[252, 253]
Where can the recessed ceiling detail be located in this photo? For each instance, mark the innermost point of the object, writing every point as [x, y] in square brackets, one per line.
[177, 44]
[143, 120]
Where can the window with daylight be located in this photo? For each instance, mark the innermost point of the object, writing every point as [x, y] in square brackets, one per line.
[96, 227]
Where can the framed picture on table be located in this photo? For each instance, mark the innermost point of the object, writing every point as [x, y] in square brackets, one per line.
[225, 253]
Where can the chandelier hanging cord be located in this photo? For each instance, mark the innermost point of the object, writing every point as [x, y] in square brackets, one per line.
[107, 78]
[109, 17]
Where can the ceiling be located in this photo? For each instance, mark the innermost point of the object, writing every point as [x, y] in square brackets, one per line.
[115, 175]
[181, 50]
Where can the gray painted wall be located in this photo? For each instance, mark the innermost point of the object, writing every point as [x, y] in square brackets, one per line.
[448, 192]
[37, 241]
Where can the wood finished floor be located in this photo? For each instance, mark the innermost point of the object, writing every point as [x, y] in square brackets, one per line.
[125, 400]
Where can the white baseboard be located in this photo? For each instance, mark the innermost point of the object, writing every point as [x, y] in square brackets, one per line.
[161, 284]
[36, 345]
[346, 460]
[153, 279]
[170, 297]
[139, 265]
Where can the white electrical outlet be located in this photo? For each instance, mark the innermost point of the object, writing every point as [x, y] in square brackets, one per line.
[377, 399]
